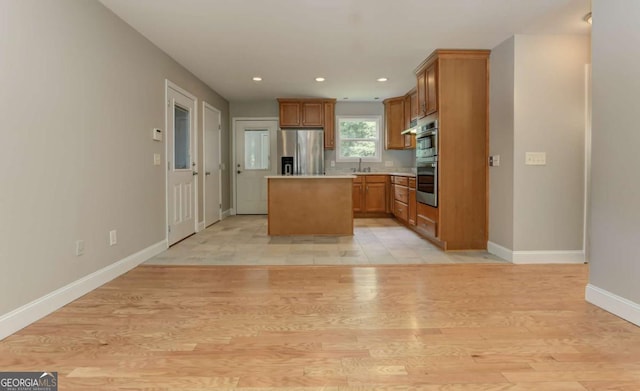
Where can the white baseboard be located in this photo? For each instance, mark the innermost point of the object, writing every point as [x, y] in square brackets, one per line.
[619, 306]
[228, 212]
[43, 306]
[201, 226]
[500, 251]
[533, 257]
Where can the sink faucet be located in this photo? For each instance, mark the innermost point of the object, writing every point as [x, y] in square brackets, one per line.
[360, 165]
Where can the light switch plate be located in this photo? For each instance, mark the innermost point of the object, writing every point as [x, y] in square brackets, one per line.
[535, 158]
[333, 163]
[156, 159]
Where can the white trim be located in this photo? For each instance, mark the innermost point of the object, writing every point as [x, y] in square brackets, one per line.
[43, 306]
[500, 251]
[169, 84]
[227, 213]
[201, 226]
[619, 306]
[587, 159]
[535, 257]
[379, 147]
[205, 106]
[234, 164]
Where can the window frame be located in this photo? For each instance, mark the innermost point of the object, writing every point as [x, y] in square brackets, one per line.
[378, 154]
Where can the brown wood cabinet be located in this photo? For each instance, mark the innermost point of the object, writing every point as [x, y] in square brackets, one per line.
[394, 123]
[455, 86]
[310, 113]
[409, 139]
[329, 124]
[427, 89]
[414, 104]
[371, 195]
[401, 197]
[412, 218]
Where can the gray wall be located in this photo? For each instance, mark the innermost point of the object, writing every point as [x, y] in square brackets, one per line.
[544, 205]
[549, 117]
[252, 109]
[501, 143]
[81, 92]
[615, 188]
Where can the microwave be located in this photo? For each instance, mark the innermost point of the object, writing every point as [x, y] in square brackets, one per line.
[427, 143]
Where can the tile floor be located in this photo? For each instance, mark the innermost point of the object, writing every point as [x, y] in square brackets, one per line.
[243, 240]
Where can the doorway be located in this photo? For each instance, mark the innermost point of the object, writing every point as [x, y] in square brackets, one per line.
[212, 187]
[182, 192]
[255, 154]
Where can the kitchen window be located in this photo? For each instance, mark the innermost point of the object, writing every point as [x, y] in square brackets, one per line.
[358, 137]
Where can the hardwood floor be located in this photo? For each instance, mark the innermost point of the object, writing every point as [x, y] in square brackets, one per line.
[422, 327]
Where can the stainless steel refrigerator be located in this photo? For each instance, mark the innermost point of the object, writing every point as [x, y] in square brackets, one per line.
[301, 152]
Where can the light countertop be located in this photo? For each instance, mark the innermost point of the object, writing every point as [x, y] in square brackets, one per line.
[409, 174]
[345, 176]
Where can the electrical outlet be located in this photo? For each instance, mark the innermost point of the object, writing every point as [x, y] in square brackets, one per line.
[388, 163]
[333, 163]
[79, 247]
[535, 158]
[113, 237]
[156, 159]
[494, 160]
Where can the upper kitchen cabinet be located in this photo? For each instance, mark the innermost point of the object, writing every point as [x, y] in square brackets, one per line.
[427, 89]
[394, 123]
[415, 114]
[310, 113]
[329, 124]
[409, 139]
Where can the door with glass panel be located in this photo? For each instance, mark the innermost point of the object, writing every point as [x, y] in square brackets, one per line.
[181, 166]
[255, 154]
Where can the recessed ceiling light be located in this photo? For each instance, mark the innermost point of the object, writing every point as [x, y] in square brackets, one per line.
[257, 78]
[319, 79]
[382, 79]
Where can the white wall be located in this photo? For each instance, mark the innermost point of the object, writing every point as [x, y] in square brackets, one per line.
[615, 188]
[548, 115]
[81, 92]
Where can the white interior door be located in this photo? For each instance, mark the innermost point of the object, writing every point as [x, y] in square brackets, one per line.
[181, 176]
[212, 184]
[255, 158]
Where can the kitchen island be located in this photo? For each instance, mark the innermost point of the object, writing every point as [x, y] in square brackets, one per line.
[310, 205]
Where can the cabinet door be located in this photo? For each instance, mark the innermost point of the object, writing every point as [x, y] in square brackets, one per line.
[289, 114]
[432, 88]
[407, 111]
[375, 197]
[413, 207]
[312, 114]
[358, 196]
[422, 95]
[329, 125]
[413, 101]
[394, 123]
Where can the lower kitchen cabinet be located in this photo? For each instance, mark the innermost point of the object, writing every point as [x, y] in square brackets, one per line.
[370, 195]
[413, 207]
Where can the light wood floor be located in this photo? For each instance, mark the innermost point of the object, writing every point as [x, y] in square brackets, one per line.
[422, 327]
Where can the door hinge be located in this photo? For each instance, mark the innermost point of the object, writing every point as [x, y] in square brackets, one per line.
[220, 206]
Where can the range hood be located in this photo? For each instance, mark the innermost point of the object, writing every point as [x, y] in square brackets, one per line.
[413, 129]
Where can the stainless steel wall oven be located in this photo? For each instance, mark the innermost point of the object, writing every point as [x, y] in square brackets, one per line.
[427, 164]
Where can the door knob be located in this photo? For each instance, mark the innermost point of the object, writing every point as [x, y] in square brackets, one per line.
[239, 171]
[207, 173]
[195, 173]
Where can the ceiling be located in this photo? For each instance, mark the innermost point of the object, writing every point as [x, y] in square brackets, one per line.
[349, 42]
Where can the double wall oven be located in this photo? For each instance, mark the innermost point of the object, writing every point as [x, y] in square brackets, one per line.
[427, 163]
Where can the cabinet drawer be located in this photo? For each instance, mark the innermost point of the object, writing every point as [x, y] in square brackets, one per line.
[401, 210]
[412, 183]
[427, 226]
[358, 179]
[401, 180]
[401, 193]
[375, 178]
